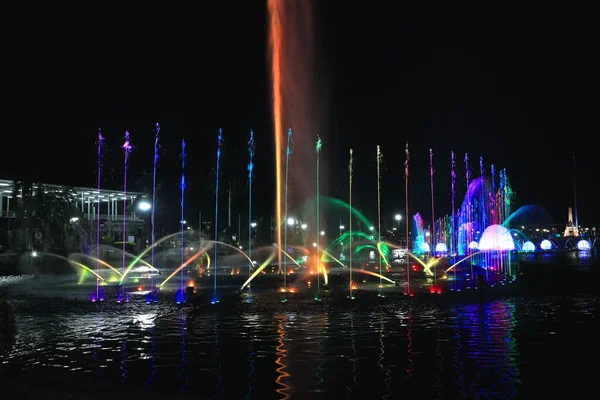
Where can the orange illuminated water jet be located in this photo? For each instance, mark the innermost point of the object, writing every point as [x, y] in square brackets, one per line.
[275, 39]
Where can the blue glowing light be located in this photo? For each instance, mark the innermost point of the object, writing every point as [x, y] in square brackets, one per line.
[546, 245]
[528, 246]
[583, 245]
[424, 247]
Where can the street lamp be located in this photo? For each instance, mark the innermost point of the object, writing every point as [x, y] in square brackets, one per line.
[303, 226]
[291, 221]
[253, 224]
[144, 205]
[398, 218]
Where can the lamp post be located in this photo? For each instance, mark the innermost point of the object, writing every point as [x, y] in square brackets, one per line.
[398, 218]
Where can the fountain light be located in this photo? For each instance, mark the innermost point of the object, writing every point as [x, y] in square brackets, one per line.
[144, 206]
[583, 245]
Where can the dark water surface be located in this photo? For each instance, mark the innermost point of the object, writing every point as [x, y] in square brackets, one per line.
[507, 348]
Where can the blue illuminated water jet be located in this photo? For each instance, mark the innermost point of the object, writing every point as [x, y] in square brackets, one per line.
[152, 296]
[181, 294]
[215, 299]
[127, 150]
[250, 168]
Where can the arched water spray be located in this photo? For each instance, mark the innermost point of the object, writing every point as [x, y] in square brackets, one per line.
[215, 299]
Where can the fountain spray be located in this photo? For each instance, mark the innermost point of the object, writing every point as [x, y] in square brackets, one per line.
[379, 158]
[251, 151]
[219, 145]
[318, 146]
[482, 207]
[127, 150]
[453, 226]
[468, 236]
[153, 234]
[406, 165]
[285, 212]
[493, 199]
[432, 214]
[100, 142]
[350, 171]
[182, 298]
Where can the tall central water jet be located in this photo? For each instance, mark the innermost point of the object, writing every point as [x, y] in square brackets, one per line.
[127, 151]
[295, 105]
[100, 142]
[250, 168]
[379, 158]
[182, 222]
[215, 299]
[153, 233]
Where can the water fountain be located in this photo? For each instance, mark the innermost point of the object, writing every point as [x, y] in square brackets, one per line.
[250, 168]
[122, 296]
[181, 298]
[215, 299]
[153, 296]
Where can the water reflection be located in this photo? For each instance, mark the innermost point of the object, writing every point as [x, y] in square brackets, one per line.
[280, 361]
[354, 375]
[216, 361]
[124, 364]
[153, 367]
[251, 359]
[387, 372]
[486, 350]
[183, 355]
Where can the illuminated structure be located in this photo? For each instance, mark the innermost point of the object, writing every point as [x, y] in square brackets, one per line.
[87, 201]
[571, 230]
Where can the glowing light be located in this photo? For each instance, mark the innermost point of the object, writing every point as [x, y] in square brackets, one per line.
[398, 217]
[322, 233]
[473, 245]
[253, 224]
[424, 247]
[303, 226]
[441, 248]
[546, 245]
[528, 246]
[583, 245]
[291, 221]
[144, 206]
[497, 238]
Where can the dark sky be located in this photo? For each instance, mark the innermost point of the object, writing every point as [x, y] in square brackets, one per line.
[511, 82]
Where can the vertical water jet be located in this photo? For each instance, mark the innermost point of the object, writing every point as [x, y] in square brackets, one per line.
[318, 146]
[100, 142]
[350, 171]
[379, 158]
[215, 299]
[433, 240]
[182, 298]
[250, 168]
[406, 167]
[152, 220]
[285, 218]
[127, 150]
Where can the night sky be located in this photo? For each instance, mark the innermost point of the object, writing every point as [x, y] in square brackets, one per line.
[512, 83]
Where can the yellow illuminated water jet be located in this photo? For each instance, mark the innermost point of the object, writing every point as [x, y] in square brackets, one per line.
[259, 270]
